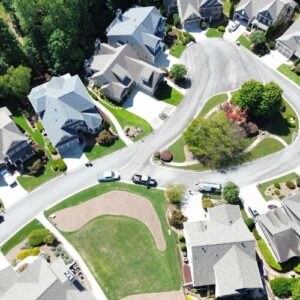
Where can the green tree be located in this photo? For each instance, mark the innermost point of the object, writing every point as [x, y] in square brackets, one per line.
[178, 71]
[231, 193]
[214, 141]
[281, 287]
[175, 193]
[271, 100]
[269, 33]
[231, 9]
[258, 38]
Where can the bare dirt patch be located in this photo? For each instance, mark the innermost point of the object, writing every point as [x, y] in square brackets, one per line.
[176, 295]
[115, 203]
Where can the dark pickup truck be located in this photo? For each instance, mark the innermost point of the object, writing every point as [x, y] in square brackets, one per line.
[144, 180]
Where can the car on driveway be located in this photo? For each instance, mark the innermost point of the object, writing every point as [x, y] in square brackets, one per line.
[234, 26]
[10, 180]
[144, 180]
[108, 176]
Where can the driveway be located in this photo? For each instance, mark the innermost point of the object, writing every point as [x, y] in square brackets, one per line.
[147, 107]
[197, 33]
[74, 158]
[233, 36]
[10, 195]
[275, 59]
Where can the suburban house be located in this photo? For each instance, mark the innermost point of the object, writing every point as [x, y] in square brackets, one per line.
[118, 70]
[221, 252]
[40, 281]
[140, 27]
[65, 109]
[192, 11]
[281, 227]
[289, 43]
[260, 14]
[15, 148]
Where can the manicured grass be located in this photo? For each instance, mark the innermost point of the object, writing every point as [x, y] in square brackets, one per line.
[245, 42]
[98, 151]
[268, 256]
[214, 33]
[285, 70]
[177, 150]
[21, 235]
[169, 95]
[211, 103]
[120, 247]
[31, 182]
[177, 50]
[263, 186]
[265, 147]
[279, 124]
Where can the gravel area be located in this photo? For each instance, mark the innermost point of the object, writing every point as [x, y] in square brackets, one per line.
[176, 295]
[116, 203]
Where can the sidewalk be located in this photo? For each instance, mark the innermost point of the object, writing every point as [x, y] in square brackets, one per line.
[96, 289]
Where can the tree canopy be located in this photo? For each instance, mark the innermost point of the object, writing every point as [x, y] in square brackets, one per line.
[261, 100]
[258, 38]
[214, 141]
[231, 193]
[178, 71]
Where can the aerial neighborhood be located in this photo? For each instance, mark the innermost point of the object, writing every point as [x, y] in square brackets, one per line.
[149, 150]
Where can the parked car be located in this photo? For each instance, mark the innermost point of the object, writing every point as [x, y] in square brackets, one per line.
[144, 180]
[8, 178]
[206, 187]
[272, 206]
[108, 176]
[234, 26]
[253, 212]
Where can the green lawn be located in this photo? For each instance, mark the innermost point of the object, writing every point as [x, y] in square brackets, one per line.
[169, 95]
[211, 103]
[177, 150]
[120, 247]
[245, 42]
[285, 70]
[263, 186]
[268, 255]
[99, 151]
[279, 125]
[124, 117]
[177, 50]
[214, 33]
[21, 235]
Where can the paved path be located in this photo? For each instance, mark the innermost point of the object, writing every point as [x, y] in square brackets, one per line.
[215, 66]
[96, 289]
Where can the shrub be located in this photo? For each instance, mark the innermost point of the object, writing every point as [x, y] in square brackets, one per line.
[35, 167]
[231, 193]
[176, 20]
[28, 252]
[175, 193]
[58, 165]
[221, 28]
[41, 236]
[250, 223]
[105, 138]
[181, 238]
[185, 38]
[207, 203]
[52, 150]
[256, 234]
[281, 197]
[298, 181]
[177, 218]
[291, 121]
[277, 185]
[277, 192]
[272, 45]
[166, 156]
[281, 287]
[182, 247]
[189, 297]
[290, 185]
[297, 269]
[178, 72]
[39, 126]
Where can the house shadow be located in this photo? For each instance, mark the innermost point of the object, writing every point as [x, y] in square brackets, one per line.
[162, 60]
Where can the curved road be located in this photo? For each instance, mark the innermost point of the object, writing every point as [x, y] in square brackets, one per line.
[215, 66]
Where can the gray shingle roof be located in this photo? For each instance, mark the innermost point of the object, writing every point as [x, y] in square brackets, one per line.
[281, 232]
[62, 99]
[209, 241]
[8, 277]
[291, 38]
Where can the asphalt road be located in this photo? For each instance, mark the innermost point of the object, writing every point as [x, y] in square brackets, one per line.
[214, 66]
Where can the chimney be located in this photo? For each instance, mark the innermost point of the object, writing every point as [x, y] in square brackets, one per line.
[97, 45]
[119, 14]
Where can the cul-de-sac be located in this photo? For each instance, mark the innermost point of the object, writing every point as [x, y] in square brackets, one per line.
[149, 149]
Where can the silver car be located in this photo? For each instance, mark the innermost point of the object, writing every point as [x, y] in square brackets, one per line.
[108, 176]
[234, 26]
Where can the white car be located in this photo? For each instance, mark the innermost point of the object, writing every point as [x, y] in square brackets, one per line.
[7, 177]
[108, 176]
[234, 26]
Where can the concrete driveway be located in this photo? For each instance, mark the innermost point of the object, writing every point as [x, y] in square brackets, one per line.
[147, 107]
[11, 195]
[197, 33]
[74, 158]
[233, 36]
[275, 59]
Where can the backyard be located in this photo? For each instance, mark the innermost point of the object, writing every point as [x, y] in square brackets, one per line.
[111, 250]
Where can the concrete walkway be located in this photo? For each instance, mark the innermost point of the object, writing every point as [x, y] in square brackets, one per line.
[113, 119]
[96, 289]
